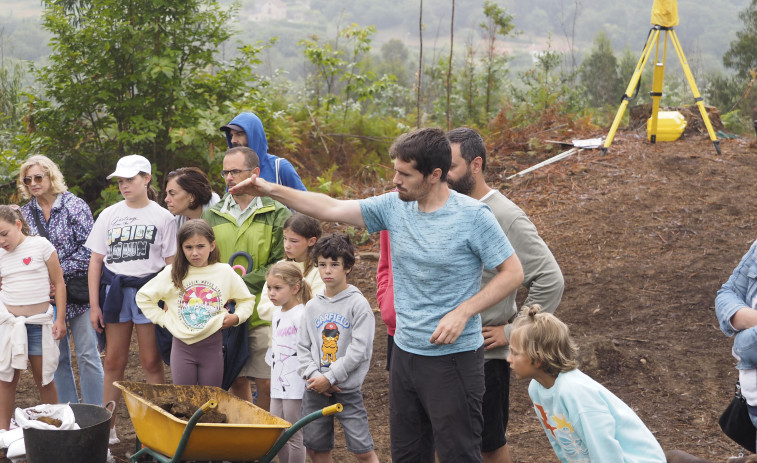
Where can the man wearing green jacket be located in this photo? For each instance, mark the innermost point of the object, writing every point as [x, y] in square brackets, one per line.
[252, 224]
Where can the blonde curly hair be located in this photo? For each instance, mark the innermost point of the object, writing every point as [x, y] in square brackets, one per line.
[57, 184]
[542, 337]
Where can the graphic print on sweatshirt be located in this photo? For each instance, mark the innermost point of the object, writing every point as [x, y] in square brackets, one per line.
[563, 432]
[199, 304]
[329, 324]
[128, 241]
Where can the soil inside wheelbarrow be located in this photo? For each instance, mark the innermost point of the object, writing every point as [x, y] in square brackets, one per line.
[645, 236]
[184, 410]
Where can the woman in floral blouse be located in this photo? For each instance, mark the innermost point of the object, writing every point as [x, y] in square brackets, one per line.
[66, 222]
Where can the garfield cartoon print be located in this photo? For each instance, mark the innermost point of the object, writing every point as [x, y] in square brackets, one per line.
[330, 346]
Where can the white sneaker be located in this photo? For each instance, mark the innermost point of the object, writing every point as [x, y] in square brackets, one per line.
[113, 439]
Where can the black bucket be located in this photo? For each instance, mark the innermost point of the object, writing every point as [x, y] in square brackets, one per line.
[89, 444]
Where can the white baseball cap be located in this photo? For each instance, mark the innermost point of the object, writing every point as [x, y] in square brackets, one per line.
[130, 166]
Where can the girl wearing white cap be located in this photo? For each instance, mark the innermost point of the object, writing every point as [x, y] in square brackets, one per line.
[131, 241]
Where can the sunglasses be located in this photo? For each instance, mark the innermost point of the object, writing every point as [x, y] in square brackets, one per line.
[37, 179]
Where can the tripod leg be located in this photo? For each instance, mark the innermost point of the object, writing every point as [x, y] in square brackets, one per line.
[630, 89]
[657, 78]
[695, 91]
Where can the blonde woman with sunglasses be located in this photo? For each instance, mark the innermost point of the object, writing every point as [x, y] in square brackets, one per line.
[65, 220]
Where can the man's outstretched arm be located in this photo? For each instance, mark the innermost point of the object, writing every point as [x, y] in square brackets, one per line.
[317, 205]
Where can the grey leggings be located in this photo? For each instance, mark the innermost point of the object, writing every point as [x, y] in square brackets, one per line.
[199, 363]
[291, 410]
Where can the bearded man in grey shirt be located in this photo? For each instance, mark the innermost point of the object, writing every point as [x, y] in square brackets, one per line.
[542, 277]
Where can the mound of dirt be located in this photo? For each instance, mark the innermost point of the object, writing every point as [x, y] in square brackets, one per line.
[645, 236]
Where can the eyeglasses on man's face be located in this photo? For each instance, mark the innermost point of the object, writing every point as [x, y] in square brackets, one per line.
[37, 179]
[234, 172]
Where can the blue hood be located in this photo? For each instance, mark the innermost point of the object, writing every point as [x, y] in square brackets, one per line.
[277, 172]
[253, 127]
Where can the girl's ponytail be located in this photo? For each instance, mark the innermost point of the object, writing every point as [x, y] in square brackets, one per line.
[152, 192]
[305, 293]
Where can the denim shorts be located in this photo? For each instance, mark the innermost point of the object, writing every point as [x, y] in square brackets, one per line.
[34, 339]
[129, 310]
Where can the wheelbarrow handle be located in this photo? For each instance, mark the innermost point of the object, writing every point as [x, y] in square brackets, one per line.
[332, 409]
[286, 435]
[209, 405]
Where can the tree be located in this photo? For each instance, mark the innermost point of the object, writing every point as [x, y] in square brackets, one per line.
[449, 65]
[137, 77]
[544, 91]
[626, 68]
[742, 54]
[328, 63]
[568, 24]
[420, 67]
[599, 73]
[498, 23]
[742, 57]
[345, 80]
[394, 57]
[11, 75]
[467, 80]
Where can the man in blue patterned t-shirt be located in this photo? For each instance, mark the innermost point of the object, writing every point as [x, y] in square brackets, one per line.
[440, 243]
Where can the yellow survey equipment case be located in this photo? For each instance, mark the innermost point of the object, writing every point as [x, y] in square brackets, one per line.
[670, 126]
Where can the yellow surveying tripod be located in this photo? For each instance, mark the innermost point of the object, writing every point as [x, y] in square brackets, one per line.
[664, 17]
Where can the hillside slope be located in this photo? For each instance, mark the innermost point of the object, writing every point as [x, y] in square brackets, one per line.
[645, 237]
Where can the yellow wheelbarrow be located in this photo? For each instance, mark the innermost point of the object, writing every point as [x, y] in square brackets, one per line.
[250, 433]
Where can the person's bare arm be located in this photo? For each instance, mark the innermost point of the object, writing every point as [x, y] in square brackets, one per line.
[56, 277]
[507, 280]
[317, 205]
[95, 271]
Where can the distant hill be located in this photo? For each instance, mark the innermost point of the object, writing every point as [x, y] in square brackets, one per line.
[705, 31]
